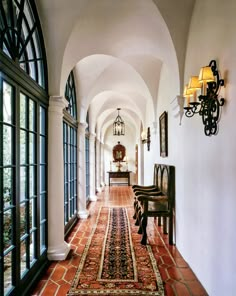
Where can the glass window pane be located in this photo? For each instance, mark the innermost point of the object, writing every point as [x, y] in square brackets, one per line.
[32, 247]
[7, 272]
[7, 102]
[7, 229]
[7, 145]
[32, 116]
[42, 238]
[7, 187]
[32, 148]
[32, 211]
[23, 223]
[32, 65]
[40, 73]
[32, 181]
[42, 121]
[24, 256]
[22, 111]
[23, 141]
[23, 183]
[42, 149]
[6, 50]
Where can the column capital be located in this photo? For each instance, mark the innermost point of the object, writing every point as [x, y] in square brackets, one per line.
[98, 141]
[82, 125]
[92, 136]
[57, 104]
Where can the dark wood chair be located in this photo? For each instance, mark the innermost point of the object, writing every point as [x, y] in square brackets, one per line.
[148, 189]
[160, 205]
[137, 193]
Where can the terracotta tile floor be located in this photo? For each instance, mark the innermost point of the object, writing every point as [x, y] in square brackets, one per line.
[178, 278]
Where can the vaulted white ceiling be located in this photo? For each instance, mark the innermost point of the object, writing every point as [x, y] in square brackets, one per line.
[117, 50]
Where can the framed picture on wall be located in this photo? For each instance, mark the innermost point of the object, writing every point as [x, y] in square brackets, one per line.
[163, 123]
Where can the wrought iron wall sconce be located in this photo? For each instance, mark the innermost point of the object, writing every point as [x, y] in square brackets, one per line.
[146, 137]
[208, 106]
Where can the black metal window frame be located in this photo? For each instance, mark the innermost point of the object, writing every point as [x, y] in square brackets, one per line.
[87, 166]
[21, 38]
[23, 68]
[28, 190]
[87, 158]
[70, 143]
[70, 95]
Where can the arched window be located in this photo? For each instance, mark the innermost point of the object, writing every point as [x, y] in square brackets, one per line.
[70, 155]
[70, 95]
[23, 134]
[21, 38]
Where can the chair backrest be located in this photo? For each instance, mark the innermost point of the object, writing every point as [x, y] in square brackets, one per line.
[157, 176]
[164, 178]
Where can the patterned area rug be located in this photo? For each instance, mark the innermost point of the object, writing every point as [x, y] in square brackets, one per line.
[114, 262]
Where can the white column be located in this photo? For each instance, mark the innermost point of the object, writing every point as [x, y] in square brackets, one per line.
[92, 193]
[82, 210]
[98, 165]
[102, 165]
[58, 249]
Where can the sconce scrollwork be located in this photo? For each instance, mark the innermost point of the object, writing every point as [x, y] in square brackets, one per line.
[209, 104]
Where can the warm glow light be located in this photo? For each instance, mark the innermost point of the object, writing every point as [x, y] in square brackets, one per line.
[193, 86]
[187, 93]
[209, 105]
[194, 83]
[144, 136]
[206, 75]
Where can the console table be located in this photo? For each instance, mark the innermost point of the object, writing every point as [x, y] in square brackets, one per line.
[119, 175]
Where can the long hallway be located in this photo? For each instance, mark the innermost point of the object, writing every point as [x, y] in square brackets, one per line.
[177, 277]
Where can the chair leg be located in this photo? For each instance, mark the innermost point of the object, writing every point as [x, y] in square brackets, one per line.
[165, 225]
[137, 222]
[171, 230]
[140, 229]
[135, 211]
[159, 221]
[144, 229]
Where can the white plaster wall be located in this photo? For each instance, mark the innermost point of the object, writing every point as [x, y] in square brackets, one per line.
[149, 156]
[206, 200]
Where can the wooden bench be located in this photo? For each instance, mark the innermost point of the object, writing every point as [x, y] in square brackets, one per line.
[160, 204]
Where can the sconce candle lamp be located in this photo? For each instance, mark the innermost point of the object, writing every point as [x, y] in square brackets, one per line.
[208, 106]
[146, 137]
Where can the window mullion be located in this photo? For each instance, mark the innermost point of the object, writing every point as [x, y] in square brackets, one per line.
[16, 177]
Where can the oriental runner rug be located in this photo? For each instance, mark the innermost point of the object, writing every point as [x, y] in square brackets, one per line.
[114, 262]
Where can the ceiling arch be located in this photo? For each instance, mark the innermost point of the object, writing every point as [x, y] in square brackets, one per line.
[116, 28]
[107, 100]
[119, 29]
[118, 76]
[129, 41]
